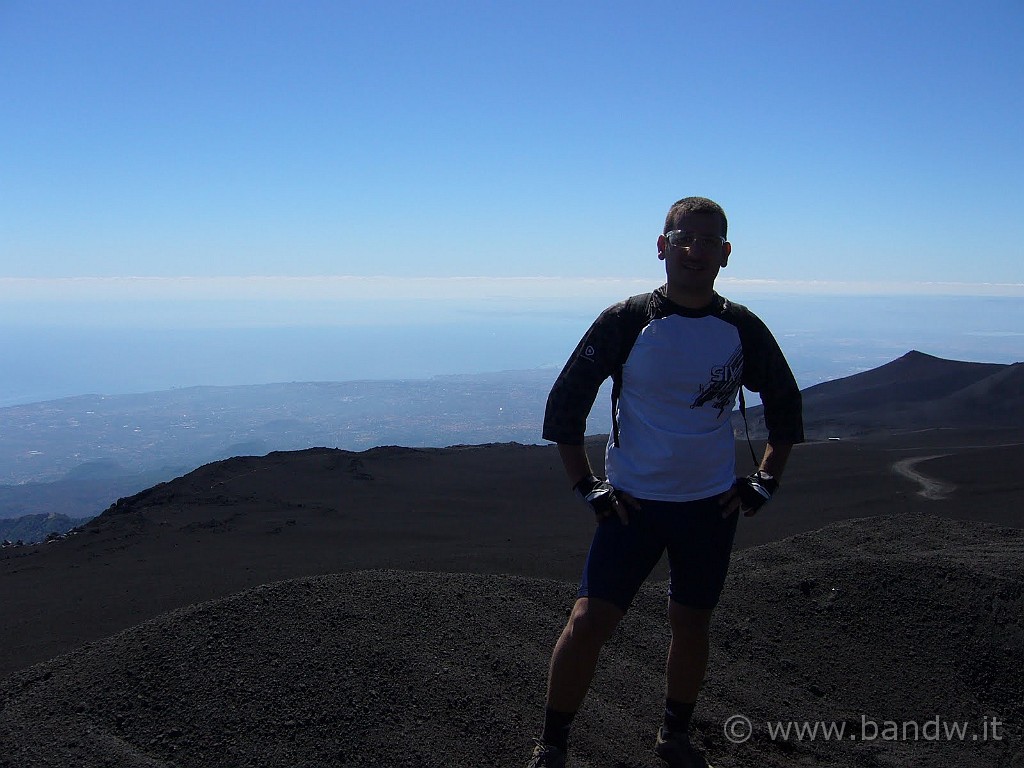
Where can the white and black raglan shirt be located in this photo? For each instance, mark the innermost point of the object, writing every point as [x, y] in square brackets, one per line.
[676, 376]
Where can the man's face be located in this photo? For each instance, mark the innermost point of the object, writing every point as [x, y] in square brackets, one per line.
[694, 269]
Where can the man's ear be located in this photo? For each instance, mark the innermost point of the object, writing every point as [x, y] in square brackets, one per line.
[662, 245]
[726, 250]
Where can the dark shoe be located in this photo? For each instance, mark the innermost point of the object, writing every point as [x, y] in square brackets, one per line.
[676, 750]
[546, 756]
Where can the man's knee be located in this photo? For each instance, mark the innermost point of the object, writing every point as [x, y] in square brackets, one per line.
[593, 620]
[687, 622]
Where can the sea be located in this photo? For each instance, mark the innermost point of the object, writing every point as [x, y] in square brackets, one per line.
[46, 356]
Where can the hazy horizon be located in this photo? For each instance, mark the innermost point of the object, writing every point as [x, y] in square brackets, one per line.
[824, 337]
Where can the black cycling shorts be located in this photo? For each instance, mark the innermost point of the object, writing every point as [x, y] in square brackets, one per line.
[698, 540]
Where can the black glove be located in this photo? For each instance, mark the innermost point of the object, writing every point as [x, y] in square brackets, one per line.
[756, 490]
[597, 493]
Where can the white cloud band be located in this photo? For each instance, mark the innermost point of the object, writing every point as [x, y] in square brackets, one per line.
[364, 288]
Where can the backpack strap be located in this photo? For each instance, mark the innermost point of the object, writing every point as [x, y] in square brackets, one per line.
[637, 314]
[746, 428]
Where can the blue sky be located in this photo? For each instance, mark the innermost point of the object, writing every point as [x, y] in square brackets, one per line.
[861, 143]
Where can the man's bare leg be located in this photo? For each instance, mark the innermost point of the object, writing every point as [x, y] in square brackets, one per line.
[688, 652]
[574, 659]
[573, 663]
[684, 676]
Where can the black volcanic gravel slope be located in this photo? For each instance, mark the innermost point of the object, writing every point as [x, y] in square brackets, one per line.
[490, 509]
[889, 619]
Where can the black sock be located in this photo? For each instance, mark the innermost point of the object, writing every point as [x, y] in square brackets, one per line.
[677, 716]
[556, 728]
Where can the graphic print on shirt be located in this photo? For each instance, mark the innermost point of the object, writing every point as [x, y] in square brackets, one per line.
[725, 380]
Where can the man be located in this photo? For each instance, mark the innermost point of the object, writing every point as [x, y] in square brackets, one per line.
[678, 357]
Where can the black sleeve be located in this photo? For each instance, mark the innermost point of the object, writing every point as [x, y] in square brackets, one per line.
[595, 358]
[766, 371]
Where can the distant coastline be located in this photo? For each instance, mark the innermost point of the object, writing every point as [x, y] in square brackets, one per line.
[824, 337]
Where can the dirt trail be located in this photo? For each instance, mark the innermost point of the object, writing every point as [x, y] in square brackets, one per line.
[931, 488]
